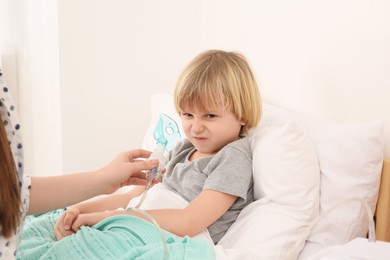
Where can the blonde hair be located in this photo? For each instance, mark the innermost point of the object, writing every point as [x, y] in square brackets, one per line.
[217, 78]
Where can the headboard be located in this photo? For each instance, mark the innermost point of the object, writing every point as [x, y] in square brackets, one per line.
[383, 205]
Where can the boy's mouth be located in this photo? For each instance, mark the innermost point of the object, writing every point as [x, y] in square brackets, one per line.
[199, 138]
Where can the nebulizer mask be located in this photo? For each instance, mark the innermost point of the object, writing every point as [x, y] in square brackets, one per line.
[166, 134]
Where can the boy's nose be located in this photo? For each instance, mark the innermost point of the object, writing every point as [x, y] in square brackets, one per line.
[197, 126]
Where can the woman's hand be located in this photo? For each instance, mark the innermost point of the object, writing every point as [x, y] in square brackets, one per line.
[127, 169]
[63, 226]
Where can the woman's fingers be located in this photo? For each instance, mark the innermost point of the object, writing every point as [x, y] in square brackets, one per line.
[137, 153]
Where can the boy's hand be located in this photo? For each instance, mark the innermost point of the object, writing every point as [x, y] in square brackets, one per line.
[63, 226]
[90, 219]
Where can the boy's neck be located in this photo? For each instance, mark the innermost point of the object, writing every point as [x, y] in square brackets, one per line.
[197, 155]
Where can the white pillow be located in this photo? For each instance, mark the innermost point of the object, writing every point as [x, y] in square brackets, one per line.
[350, 158]
[286, 179]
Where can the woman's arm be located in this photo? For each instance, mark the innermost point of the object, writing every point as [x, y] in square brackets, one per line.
[48, 193]
[197, 216]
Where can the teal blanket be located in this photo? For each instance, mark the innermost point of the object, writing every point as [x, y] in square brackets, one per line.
[118, 237]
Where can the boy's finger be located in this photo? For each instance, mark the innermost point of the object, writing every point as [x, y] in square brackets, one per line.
[68, 219]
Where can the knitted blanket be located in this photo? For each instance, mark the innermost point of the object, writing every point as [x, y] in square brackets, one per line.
[117, 237]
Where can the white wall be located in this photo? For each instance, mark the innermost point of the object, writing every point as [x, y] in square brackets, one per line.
[29, 40]
[329, 59]
[323, 58]
[8, 29]
[113, 57]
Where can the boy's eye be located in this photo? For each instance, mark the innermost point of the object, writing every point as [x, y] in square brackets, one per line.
[210, 116]
[186, 114]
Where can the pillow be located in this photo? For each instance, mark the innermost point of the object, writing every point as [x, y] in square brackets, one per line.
[350, 157]
[286, 185]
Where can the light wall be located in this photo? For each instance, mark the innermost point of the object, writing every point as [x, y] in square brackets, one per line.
[30, 54]
[113, 57]
[8, 27]
[328, 59]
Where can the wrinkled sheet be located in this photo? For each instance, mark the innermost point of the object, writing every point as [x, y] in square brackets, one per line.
[117, 237]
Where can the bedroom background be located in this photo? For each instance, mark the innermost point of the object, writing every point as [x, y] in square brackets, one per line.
[82, 72]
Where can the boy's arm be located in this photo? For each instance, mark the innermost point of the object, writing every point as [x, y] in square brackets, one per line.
[204, 210]
[93, 209]
[109, 202]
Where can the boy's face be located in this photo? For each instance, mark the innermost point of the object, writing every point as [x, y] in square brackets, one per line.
[209, 131]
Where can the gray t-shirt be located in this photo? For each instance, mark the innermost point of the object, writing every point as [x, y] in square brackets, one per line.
[229, 171]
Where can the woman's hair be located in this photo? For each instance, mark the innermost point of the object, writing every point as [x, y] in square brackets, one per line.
[217, 78]
[9, 188]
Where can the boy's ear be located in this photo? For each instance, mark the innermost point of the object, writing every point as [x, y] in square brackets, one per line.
[242, 122]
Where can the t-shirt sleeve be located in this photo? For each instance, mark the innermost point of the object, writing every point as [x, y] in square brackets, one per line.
[179, 147]
[230, 172]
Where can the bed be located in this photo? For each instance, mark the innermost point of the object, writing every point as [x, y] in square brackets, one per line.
[314, 183]
[350, 168]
